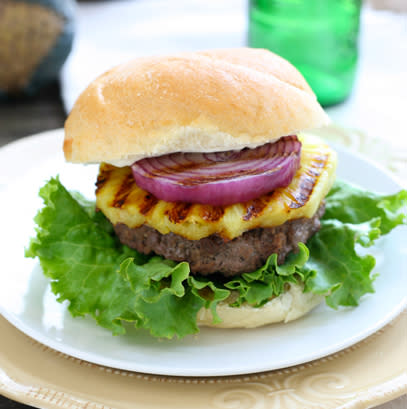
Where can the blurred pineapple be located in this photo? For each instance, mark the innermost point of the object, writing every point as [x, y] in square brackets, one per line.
[35, 39]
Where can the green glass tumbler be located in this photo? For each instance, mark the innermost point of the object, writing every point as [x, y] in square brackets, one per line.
[319, 37]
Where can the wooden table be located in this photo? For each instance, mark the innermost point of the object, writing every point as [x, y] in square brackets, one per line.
[23, 117]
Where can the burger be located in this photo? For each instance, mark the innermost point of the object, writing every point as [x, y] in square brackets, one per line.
[210, 186]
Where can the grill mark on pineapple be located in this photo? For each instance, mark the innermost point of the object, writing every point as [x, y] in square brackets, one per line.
[103, 177]
[123, 191]
[319, 161]
[212, 213]
[254, 208]
[178, 212]
[149, 201]
[301, 197]
[308, 180]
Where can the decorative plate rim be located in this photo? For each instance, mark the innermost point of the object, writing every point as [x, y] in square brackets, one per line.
[56, 398]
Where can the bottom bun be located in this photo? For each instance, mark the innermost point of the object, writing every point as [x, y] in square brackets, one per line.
[289, 306]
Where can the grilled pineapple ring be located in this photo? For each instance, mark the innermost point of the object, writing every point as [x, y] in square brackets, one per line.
[122, 201]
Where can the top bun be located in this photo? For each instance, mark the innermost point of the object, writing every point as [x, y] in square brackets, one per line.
[192, 102]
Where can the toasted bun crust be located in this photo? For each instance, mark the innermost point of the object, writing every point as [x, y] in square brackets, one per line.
[289, 306]
[203, 101]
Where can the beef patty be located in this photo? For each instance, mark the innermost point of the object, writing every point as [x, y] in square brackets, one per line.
[213, 254]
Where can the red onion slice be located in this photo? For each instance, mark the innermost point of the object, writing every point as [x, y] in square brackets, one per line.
[220, 178]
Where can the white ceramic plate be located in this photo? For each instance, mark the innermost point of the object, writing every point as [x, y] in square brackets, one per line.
[27, 302]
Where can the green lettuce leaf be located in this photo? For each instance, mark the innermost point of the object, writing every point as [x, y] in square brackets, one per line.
[346, 275]
[348, 203]
[101, 277]
[352, 216]
[79, 255]
[105, 279]
[270, 280]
